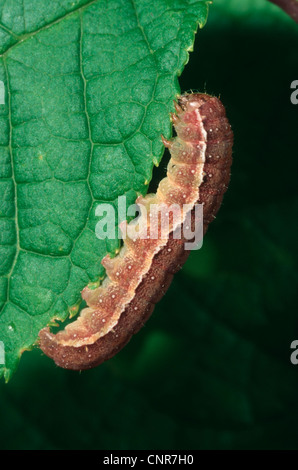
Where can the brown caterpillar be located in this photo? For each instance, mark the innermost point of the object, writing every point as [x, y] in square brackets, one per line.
[289, 6]
[198, 172]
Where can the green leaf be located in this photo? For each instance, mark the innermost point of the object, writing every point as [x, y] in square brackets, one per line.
[89, 86]
[211, 369]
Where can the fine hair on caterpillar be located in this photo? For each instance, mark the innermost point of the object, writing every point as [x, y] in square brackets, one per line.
[198, 173]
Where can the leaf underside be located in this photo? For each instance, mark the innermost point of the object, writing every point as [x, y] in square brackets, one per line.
[88, 91]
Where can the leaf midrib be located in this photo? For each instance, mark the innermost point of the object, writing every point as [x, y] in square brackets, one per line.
[14, 183]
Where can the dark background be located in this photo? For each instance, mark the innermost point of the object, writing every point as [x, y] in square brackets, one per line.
[211, 369]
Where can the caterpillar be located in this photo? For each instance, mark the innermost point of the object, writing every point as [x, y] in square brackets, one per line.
[289, 6]
[138, 277]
